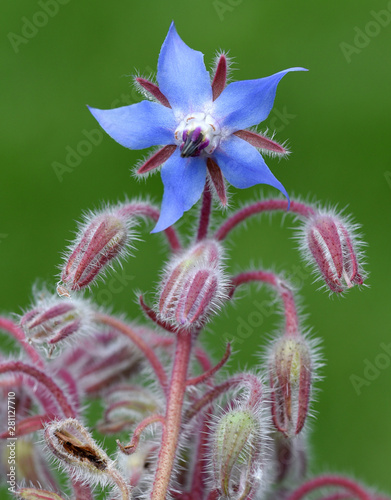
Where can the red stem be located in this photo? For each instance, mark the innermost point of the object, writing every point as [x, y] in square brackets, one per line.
[139, 342]
[17, 333]
[173, 417]
[208, 374]
[205, 214]
[42, 378]
[132, 446]
[154, 317]
[215, 392]
[328, 481]
[200, 477]
[29, 425]
[260, 207]
[153, 213]
[290, 311]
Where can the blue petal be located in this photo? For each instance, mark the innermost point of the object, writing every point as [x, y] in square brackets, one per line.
[184, 180]
[246, 103]
[138, 126]
[243, 166]
[182, 75]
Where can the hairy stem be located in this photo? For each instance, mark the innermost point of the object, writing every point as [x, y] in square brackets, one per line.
[173, 417]
[16, 332]
[205, 214]
[22, 368]
[132, 446]
[329, 481]
[260, 207]
[145, 210]
[286, 295]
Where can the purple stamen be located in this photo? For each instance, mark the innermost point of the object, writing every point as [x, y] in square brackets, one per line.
[203, 145]
[196, 134]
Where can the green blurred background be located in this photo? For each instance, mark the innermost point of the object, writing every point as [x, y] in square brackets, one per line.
[336, 118]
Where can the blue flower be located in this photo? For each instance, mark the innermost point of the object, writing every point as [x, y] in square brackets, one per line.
[201, 126]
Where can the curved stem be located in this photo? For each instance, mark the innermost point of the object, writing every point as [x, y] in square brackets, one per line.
[154, 317]
[241, 379]
[42, 378]
[173, 417]
[145, 210]
[327, 481]
[208, 374]
[205, 214]
[120, 482]
[29, 425]
[17, 333]
[286, 295]
[139, 342]
[132, 446]
[260, 207]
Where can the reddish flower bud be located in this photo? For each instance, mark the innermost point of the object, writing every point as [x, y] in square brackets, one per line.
[332, 246]
[52, 320]
[290, 374]
[194, 286]
[102, 238]
[127, 406]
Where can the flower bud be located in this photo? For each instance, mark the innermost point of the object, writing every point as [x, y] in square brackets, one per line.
[237, 453]
[36, 494]
[194, 286]
[125, 407]
[102, 238]
[334, 250]
[73, 445]
[290, 373]
[52, 320]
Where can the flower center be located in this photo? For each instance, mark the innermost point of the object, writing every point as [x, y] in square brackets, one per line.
[197, 133]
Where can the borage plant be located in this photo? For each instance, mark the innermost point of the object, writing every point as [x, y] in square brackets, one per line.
[195, 431]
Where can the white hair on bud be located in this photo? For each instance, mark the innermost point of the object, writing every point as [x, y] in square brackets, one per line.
[354, 231]
[126, 249]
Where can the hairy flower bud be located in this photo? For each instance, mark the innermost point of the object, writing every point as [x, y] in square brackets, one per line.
[194, 286]
[73, 445]
[36, 494]
[333, 248]
[125, 407]
[290, 374]
[102, 237]
[237, 453]
[52, 320]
